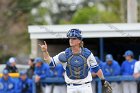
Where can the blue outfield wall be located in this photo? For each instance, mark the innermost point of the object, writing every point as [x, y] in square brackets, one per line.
[112, 79]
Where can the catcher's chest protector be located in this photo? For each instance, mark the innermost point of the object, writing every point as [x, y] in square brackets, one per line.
[77, 67]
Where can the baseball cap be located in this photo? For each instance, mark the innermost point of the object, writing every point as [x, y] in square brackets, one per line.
[23, 72]
[128, 53]
[12, 60]
[5, 71]
[109, 57]
[38, 59]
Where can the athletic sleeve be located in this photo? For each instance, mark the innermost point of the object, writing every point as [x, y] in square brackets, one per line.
[58, 59]
[93, 63]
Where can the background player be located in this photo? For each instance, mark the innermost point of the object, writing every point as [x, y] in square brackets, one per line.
[7, 84]
[127, 69]
[58, 71]
[42, 71]
[24, 84]
[112, 68]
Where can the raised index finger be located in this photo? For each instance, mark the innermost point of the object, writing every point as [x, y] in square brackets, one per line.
[45, 43]
[40, 45]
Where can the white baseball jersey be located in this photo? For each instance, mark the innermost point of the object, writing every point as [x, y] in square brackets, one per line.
[137, 67]
[90, 61]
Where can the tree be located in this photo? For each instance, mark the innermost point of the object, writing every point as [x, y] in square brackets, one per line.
[14, 19]
[90, 15]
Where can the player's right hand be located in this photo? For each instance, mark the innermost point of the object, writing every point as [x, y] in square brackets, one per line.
[37, 78]
[43, 47]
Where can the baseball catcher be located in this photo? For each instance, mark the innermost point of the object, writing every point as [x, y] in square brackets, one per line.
[76, 61]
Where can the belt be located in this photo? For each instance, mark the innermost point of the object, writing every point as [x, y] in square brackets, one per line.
[77, 84]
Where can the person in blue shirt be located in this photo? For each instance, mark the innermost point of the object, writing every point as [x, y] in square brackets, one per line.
[112, 68]
[127, 69]
[7, 84]
[58, 73]
[42, 71]
[101, 63]
[24, 84]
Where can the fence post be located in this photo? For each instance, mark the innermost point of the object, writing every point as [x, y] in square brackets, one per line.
[99, 86]
[34, 85]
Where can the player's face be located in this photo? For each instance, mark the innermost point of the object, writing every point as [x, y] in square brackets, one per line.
[23, 77]
[74, 42]
[30, 63]
[109, 62]
[128, 58]
[5, 76]
[38, 64]
[13, 64]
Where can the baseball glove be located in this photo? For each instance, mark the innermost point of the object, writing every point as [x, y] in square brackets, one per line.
[106, 87]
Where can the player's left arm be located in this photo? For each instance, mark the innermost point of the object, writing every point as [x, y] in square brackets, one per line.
[95, 67]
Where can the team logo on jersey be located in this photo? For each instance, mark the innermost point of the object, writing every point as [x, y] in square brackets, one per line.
[10, 86]
[132, 66]
[76, 61]
[43, 72]
[106, 70]
[1, 86]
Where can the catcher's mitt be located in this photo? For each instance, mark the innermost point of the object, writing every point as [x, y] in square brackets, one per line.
[106, 87]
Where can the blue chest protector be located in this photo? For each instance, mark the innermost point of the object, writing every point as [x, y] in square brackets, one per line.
[77, 67]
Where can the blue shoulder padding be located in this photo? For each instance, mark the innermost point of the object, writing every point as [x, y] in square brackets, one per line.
[95, 69]
[86, 52]
[62, 58]
[68, 53]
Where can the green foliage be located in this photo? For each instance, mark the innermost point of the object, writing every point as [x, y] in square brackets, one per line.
[63, 21]
[39, 17]
[113, 5]
[85, 15]
[27, 5]
[109, 17]
[88, 15]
